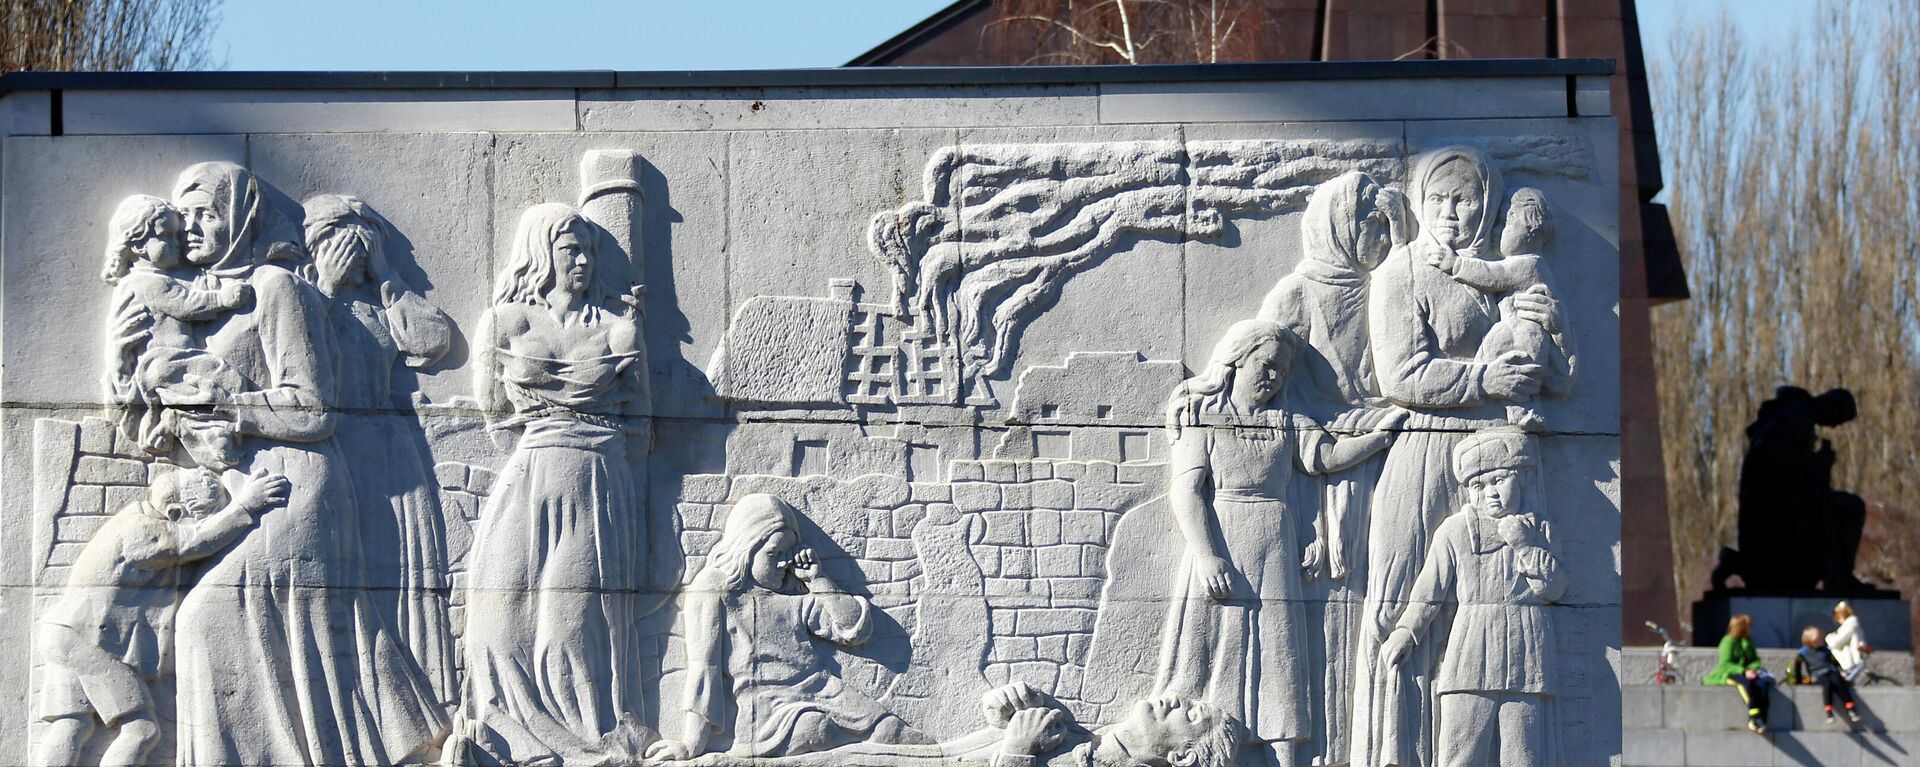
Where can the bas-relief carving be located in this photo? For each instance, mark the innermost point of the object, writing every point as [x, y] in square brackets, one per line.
[1252, 580]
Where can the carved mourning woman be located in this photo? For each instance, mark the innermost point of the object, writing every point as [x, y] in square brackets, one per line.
[1350, 225]
[377, 322]
[281, 657]
[1426, 329]
[549, 643]
[1234, 634]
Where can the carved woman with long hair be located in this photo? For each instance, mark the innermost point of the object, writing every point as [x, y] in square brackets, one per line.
[549, 644]
[1235, 633]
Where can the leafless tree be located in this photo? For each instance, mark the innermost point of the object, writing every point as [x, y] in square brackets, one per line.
[99, 35]
[1127, 31]
[1794, 186]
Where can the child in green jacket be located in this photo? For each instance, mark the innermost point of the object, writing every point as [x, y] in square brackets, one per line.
[1740, 666]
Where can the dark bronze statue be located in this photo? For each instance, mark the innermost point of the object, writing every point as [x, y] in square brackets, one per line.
[1796, 531]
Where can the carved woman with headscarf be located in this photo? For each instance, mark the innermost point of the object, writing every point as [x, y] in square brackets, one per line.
[550, 649]
[1426, 330]
[1351, 223]
[378, 321]
[281, 657]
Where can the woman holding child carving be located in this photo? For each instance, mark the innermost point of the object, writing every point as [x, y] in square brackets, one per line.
[276, 662]
[1425, 328]
[550, 654]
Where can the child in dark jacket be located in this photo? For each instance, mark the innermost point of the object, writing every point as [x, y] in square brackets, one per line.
[1815, 663]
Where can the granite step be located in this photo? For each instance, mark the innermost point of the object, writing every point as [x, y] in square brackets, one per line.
[1694, 724]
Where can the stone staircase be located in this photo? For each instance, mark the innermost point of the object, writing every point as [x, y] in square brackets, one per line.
[1689, 724]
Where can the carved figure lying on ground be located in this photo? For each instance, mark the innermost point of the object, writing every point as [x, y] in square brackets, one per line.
[1491, 564]
[750, 618]
[1520, 268]
[105, 637]
[1028, 728]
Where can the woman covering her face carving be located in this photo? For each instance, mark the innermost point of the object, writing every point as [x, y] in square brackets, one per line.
[277, 662]
[378, 323]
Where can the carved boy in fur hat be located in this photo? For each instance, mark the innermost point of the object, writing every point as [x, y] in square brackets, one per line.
[1492, 565]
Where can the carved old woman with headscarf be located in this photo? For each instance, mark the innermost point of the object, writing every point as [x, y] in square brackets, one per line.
[281, 657]
[1426, 329]
[1351, 223]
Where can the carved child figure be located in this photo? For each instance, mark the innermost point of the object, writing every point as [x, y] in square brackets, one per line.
[1521, 268]
[1492, 565]
[750, 620]
[151, 306]
[106, 636]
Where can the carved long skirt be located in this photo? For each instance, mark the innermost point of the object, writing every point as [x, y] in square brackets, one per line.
[549, 627]
[1393, 708]
[281, 657]
[1247, 654]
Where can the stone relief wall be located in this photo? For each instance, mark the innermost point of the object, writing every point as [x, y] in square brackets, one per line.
[910, 510]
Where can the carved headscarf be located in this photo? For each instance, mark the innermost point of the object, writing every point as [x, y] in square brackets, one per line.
[1492, 193]
[1330, 230]
[255, 233]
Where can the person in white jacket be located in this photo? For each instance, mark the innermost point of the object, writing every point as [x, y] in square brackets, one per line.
[1848, 642]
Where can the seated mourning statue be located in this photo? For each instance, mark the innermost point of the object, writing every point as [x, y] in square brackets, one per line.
[1796, 532]
[751, 618]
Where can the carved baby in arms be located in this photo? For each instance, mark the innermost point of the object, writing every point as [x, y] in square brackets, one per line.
[143, 244]
[104, 637]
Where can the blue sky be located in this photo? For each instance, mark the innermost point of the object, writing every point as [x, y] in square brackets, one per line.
[652, 34]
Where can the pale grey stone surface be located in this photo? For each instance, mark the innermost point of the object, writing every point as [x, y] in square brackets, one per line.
[947, 531]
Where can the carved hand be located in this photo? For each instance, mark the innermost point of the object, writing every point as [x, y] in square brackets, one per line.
[1537, 305]
[1398, 211]
[1000, 703]
[1031, 731]
[1315, 556]
[1395, 418]
[669, 751]
[261, 490]
[1519, 530]
[1394, 651]
[1511, 376]
[234, 295]
[332, 257]
[1442, 259]
[1215, 573]
[805, 565]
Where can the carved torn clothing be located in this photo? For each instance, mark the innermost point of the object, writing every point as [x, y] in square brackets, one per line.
[551, 653]
[754, 654]
[1501, 639]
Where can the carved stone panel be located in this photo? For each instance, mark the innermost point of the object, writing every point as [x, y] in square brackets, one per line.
[1016, 437]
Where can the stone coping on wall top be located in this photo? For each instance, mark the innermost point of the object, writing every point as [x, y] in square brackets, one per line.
[831, 77]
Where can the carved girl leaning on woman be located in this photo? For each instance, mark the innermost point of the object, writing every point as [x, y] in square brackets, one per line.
[1235, 633]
